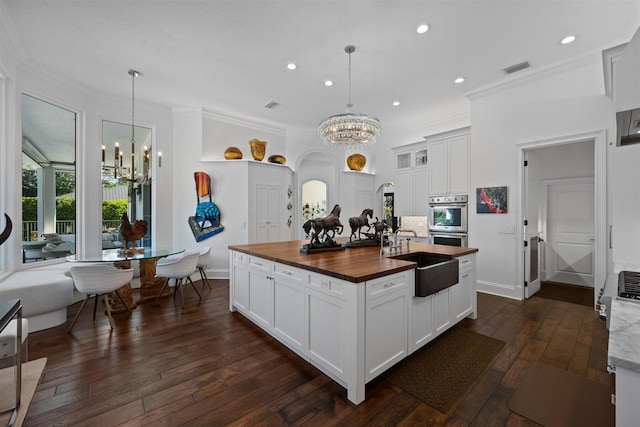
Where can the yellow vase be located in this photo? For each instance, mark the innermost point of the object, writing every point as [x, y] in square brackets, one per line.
[258, 148]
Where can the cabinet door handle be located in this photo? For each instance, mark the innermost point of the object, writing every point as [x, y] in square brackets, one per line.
[287, 272]
[259, 264]
[466, 275]
[389, 285]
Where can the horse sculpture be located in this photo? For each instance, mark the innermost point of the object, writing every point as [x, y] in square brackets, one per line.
[357, 222]
[329, 226]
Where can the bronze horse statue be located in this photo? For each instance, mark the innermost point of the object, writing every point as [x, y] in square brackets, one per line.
[357, 222]
[329, 224]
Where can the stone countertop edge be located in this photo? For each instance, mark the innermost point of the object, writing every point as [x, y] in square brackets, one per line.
[624, 334]
[362, 264]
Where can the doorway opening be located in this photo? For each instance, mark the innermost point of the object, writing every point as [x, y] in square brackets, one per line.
[561, 181]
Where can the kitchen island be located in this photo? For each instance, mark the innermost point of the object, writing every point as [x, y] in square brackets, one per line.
[350, 313]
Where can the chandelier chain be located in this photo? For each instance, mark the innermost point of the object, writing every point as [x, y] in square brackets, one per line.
[349, 105]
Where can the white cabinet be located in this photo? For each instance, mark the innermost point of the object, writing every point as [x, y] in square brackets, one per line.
[239, 293]
[268, 213]
[412, 180]
[387, 313]
[449, 165]
[441, 309]
[288, 305]
[326, 323]
[260, 292]
[422, 329]
[464, 291]
[627, 386]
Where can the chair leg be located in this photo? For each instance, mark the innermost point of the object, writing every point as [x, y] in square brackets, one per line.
[204, 277]
[95, 307]
[194, 287]
[122, 301]
[161, 291]
[86, 298]
[106, 302]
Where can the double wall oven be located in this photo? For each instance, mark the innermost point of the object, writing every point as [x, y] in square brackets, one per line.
[448, 220]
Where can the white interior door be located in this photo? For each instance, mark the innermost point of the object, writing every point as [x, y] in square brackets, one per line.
[531, 231]
[570, 233]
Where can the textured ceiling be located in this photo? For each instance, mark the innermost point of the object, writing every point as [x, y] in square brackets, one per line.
[230, 56]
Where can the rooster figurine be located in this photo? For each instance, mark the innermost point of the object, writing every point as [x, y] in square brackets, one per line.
[132, 233]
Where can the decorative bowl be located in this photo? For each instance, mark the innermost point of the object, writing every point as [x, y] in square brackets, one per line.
[232, 153]
[356, 162]
[277, 158]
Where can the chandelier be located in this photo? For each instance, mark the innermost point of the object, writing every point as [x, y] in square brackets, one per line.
[350, 129]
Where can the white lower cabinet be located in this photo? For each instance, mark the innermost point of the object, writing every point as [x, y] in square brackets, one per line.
[430, 316]
[441, 310]
[386, 313]
[464, 291]
[422, 329]
[261, 298]
[326, 331]
[288, 306]
[239, 293]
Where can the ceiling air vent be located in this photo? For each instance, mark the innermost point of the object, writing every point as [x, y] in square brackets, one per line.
[517, 67]
[271, 105]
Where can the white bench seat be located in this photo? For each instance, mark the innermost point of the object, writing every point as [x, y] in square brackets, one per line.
[44, 293]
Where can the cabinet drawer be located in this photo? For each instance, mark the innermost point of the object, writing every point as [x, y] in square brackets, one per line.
[465, 262]
[385, 285]
[327, 286]
[240, 258]
[260, 264]
[289, 273]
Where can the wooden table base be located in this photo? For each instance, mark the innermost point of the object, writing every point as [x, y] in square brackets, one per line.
[150, 286]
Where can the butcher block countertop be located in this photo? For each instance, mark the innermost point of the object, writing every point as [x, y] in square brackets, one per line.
[351, 264]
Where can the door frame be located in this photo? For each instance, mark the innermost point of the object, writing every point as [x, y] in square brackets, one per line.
[599, 137]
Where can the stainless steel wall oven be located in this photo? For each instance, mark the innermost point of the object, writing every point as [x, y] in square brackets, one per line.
[448, 220]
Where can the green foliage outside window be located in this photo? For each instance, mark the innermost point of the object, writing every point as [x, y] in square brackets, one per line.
[113, 209]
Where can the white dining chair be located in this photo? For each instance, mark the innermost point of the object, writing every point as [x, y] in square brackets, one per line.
[203, 263]
[96, 280]
[179, 268]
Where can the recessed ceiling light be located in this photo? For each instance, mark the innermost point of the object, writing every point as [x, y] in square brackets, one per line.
[459, 80]
[568, 39]
[396, 103]
[328, 83]
[422, 29]
[291, 66]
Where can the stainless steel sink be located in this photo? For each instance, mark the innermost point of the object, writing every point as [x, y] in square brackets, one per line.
[434, 273]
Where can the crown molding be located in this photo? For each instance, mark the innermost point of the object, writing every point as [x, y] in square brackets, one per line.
[244, 123]
[525, 77]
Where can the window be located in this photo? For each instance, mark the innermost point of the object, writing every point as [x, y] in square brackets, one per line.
[48, 180]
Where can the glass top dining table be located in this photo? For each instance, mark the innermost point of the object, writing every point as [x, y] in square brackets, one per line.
[150, 285]
[117, 255]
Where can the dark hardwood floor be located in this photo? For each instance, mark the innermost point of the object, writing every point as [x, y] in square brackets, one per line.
[202, 365]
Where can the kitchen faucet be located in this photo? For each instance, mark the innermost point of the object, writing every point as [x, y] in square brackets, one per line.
[398, 244]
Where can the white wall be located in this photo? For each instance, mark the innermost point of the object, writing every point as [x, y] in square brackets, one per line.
[542, 107]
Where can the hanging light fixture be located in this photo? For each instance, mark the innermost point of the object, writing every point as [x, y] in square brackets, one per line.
[350, 129]
[133, 74]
